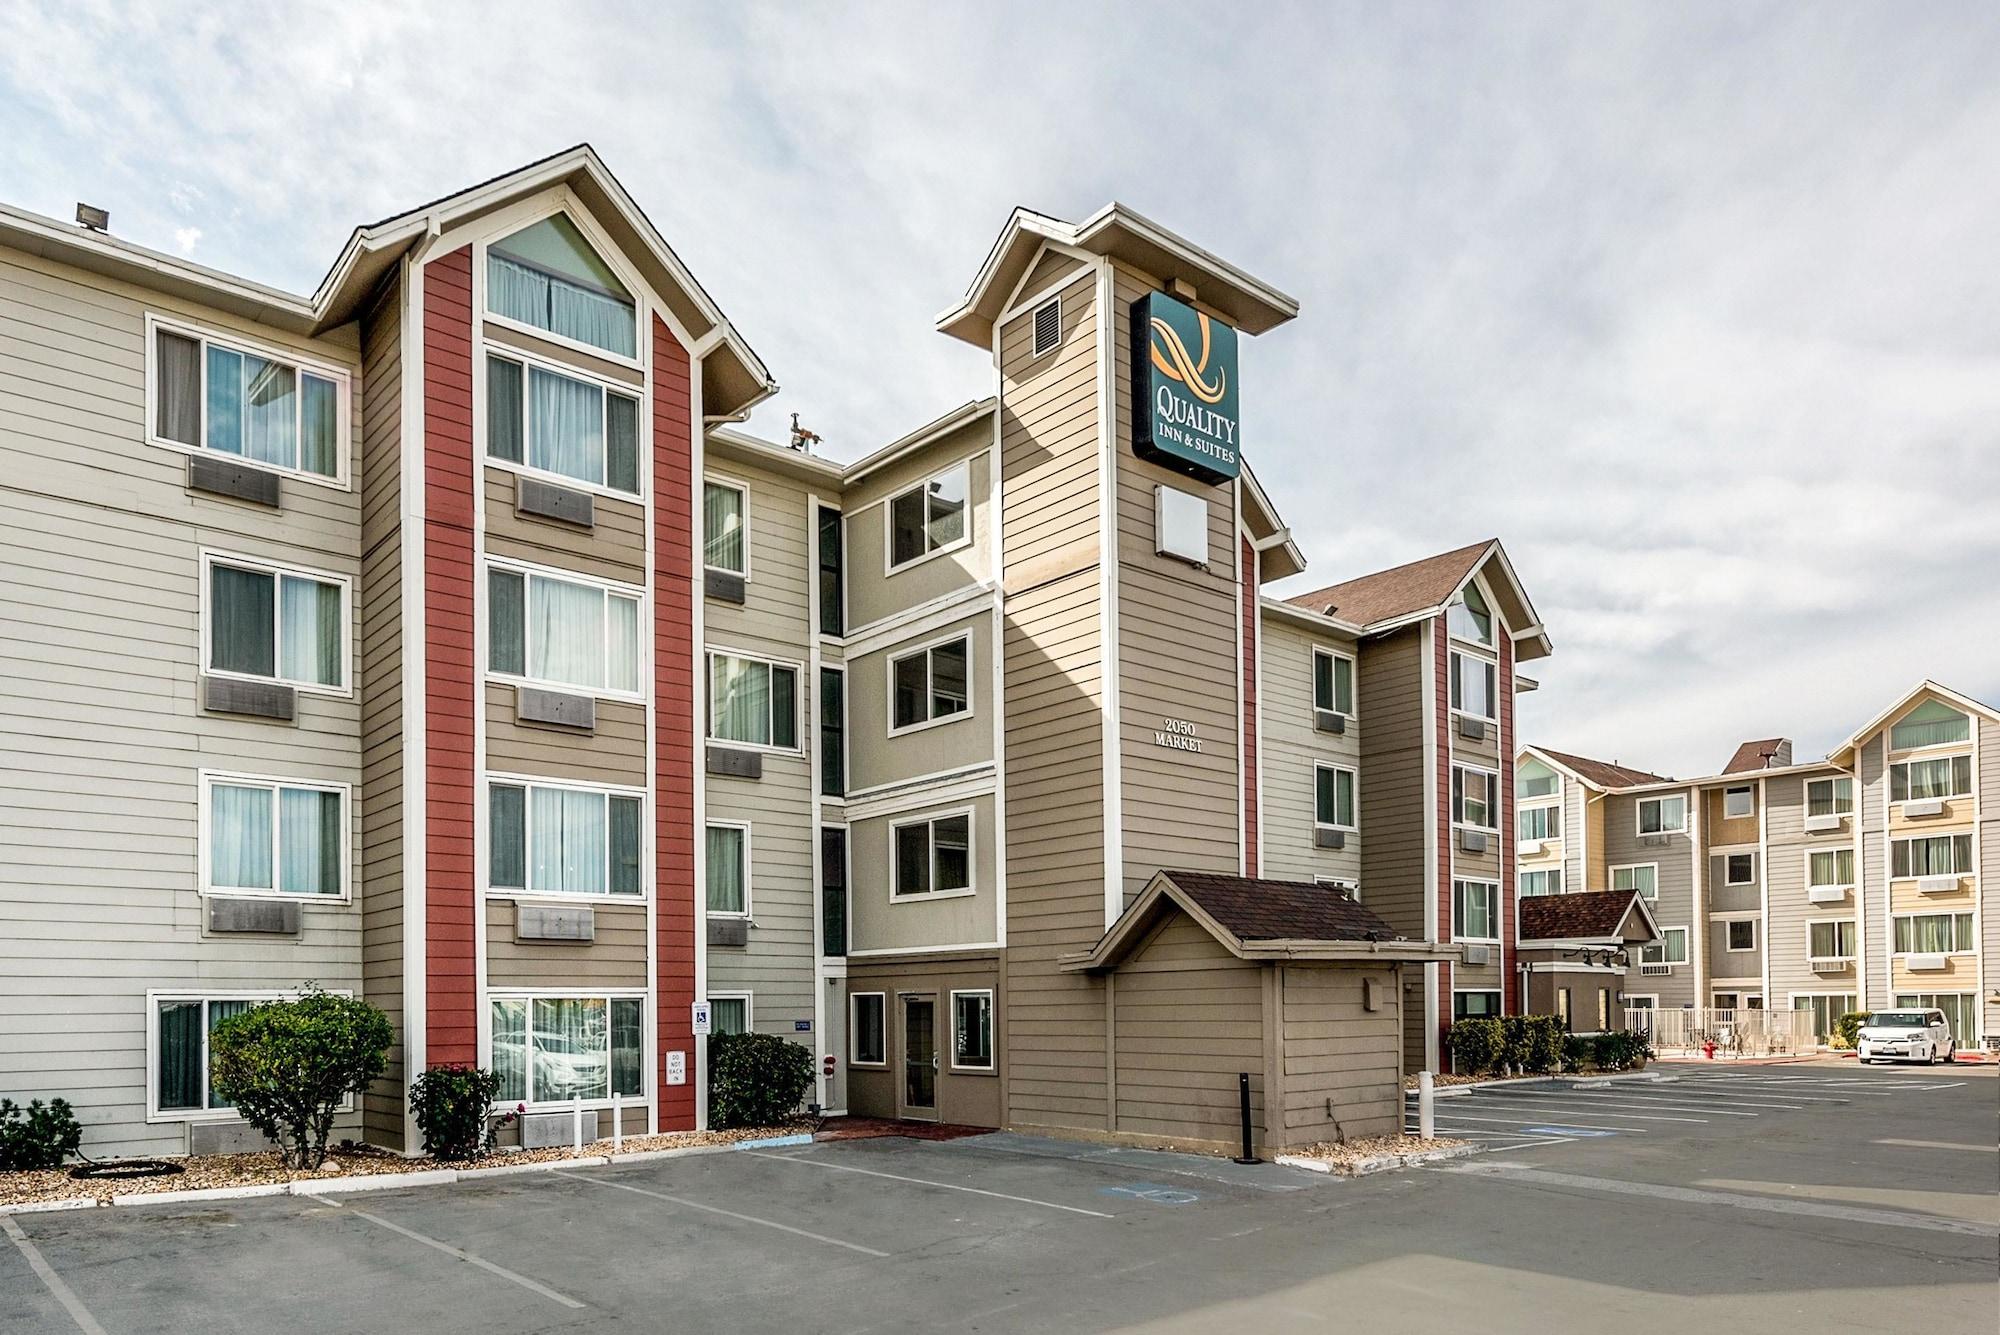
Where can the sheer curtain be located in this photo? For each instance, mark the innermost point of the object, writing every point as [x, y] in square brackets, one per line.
[566, 632]
[225, 401]
[510, 1050]
[309, 631]
[319, 426]
[565, 426]
[725, 869]
[239, 837]
[621, 644]
[742, 700]
[722, 526]
[591, 317]
[516, 292]
[571, 1048]
[270, 412]
[309, 841]
[566, 840]
[177, 389]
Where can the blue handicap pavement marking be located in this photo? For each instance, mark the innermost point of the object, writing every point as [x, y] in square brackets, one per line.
[1562, 1131]
[1158, 1195]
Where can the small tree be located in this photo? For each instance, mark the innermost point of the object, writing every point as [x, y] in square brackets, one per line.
[287, 1066]
[755, 1079]
[37, 1136]
[1847, 1030]
[451, 1105]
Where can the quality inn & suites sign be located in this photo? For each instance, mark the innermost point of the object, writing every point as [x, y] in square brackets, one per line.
[1184, 378]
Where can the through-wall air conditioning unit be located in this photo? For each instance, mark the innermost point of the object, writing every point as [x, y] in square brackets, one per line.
[1655, 970]
[1937, 885]
[1325, 838]
[1929, 806]
[1830, 966]
[1826, 894]
[1472, 841]
[1479, 955]
[1653, 840]
[1821, 824]
[1932, 963]
[1472, 729]
[1325, 720]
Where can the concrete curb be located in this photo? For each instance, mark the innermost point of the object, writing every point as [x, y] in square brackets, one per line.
[679, 1152]
[1581, 1081]
[199, 1194]
[45, 1207]
[773, 1142]
[340, 1186]
[1380, 1163]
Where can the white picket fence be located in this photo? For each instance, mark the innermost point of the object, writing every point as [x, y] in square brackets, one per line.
[1735, 1033]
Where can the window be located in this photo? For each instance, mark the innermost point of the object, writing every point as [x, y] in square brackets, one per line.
[271, 836]
[1739, 869]
[547, 839]
[1832, 939]
[1562, 1007]
[1826, 1008]
[1644, 878]
[562, 631]
[558, 424]
[1475, 797]
[729, 1014]
[1663, 815]
[1742, 935]
[265, 410]
[1934, 855]
[181, 1027]
[1548, 881]
[1048, 325]
[1737, 803]
[752, 702]
[1333, 797]
[1535, 823]
[1470, 618]
[868, 1029]
[1933, 933]
[932, 857]
[1932, 723]
[1957, 1007]
[1344, 889]
[1537, 780]
[972, 1031]
[275, 623]
[1475, 911]
[1917, 780]
[1333, 682]
[1830, 797]
[559, 1049]
[833, 891]
[548, 277]
[930, 517]
[832, 572]
[1671, 949]
[728, 865]
[1603, 1009]
[930, 685]
[725, 508]
[1829, 867]
[832, 732]
[1474, 1005]
[1472, 685]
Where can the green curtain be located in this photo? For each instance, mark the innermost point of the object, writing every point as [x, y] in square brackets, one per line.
[627, 869]
[621, 443]
[506, 623]
[628, 1045]
[180, 1075]
[241, 615]
[503, 409]
[507, 834]
[727, 873]
[319, 426]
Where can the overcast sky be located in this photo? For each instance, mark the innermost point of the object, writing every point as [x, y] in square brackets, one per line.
[1694, 308]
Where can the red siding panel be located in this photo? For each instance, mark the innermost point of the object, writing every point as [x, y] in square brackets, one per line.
[1441, 735]
[1509, 989]
[451, 1016]
[674, 756]
[1252, 809]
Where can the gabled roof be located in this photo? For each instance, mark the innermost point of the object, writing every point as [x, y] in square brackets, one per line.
[1268, 532]
[1756, 755]
[1902, 703]
[1598, 917]
[1258, 919]
[1418, 589]
[1596, 773]
[1247, 303]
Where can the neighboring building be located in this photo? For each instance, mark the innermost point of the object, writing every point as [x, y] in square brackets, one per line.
[438, 639]
[1831, 885]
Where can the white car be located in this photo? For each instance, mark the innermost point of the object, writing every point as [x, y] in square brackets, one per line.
[1912, 1035]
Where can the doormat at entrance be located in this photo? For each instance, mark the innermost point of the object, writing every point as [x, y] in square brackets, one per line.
[874, 1128]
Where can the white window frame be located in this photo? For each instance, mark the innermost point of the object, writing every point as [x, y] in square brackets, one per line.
[210, 558]
[1854, 930]
[1353, 710]
[610, 588]
[1354, 777]
[1522, 874]
[742, 489]
[1729, 869]
[642, 436]
[1493, 807]
[1350, 887]
[506, 779]
[1749, 795]
[605, 251]
[1485, 661]
[1539, 804]
[1957, 869]
[889, 564]
[799, 709]
[1666, 938]
[1971, 728]
[1728, 945]
[854, 1031]
[1968, 947]
[749, 869]
[1493, 913]
[971, 856]
[154, 996]
[1035, 345]
[1834, 783]
[1499, 995]
[924, 651]
[1639, 807]
[1654, 867]
[1834, 852]
[343, 380]
[648, 1021]
[992, 1032]
[1942, 757]
[207, 779]
[749, 1000]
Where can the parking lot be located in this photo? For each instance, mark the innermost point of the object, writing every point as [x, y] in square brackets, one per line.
[1855, 1200]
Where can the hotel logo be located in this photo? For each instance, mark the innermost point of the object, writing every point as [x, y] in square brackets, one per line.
[1187, 384]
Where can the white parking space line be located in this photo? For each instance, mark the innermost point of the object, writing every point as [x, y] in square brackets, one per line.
[62, 1292]
[1626, 1101]
[1498, 1105]
[459, 1253]
[1727, 1089]
[804, 1162]
[1940, 1145]
[1709, 1098]
[726, 1214]
[1581, 1126]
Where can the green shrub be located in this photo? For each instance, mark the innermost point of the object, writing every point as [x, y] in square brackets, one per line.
[288, 1065]
[1540, 1044]
[40, 1135]
[755, 1079]
[1578, 1051]
[1620, 1049]
[1478, 1045]
[451, 1104]
[1847, 1029]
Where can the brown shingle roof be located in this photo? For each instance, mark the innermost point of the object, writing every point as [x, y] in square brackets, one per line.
[1754, 755]
[1590, 916]
[1254, 909]
[1603, 772]
[1388, 594]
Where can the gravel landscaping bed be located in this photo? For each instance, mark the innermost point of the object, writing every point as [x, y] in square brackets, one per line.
[1375, 1154]
[1445, 1081]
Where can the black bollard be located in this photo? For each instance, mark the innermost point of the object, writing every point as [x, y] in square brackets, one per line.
[1243, 1103]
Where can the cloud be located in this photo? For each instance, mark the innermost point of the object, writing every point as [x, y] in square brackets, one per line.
[185, 239]
[1691, 307]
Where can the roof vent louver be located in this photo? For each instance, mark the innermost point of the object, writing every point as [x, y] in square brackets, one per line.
[1048, 325]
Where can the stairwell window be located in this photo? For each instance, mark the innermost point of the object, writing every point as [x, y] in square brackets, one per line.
[273, 837]
[562, 631]
[229, 397]
[1737, 803]
[1919, 780]
[554, 839]
[1935, 855]
[275, 623]
[932, 857]
[1475, 911]
[753, 702]
[930, 685]
[972, 1031]
[1547, 881]
[1739, 869]
[1473, 688]
[1333, 682]
[1475, 797]
[1741, 935]
[575, 429]
[931, 517]
[1662, 815]
[548, 277]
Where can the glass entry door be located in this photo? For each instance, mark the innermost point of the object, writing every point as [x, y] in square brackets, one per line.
[920, 1057]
